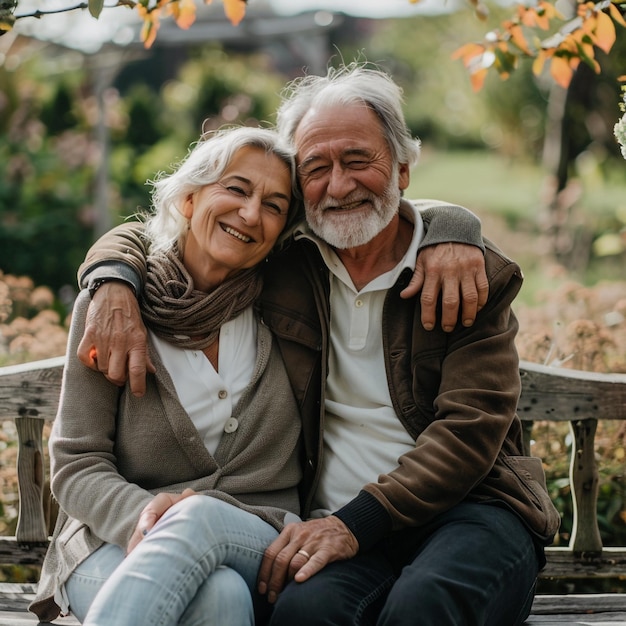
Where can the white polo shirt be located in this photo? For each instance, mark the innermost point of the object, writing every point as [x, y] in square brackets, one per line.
[363, 437]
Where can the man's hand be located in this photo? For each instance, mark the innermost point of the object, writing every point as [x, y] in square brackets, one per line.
[455, 270]
[153, 512]
[303, 549]
[115, 339]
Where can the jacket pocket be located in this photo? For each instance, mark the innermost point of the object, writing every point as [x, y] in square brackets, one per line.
[519, 482]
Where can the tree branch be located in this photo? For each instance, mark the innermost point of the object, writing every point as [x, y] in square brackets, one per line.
[83, 5]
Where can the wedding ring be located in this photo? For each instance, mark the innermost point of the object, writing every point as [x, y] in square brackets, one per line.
[304, 553]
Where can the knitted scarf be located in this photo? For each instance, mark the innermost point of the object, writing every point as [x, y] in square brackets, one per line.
[184, 316]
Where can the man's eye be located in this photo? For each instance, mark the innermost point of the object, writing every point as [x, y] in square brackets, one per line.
[314, 171]
[357, 165]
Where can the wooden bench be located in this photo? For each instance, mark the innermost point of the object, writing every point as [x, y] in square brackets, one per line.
[29, 396]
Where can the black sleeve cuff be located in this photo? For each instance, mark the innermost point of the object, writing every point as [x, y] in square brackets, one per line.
[111, 270]
[366, 518]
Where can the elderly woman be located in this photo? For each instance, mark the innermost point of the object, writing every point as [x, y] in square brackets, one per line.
[214, 441]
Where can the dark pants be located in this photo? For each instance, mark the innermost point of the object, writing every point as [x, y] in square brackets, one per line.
[474, 565]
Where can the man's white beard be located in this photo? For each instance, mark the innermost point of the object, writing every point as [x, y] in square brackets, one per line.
[349, 230]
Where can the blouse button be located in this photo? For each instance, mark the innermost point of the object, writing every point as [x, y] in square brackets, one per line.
[222, 394]
[231, 425]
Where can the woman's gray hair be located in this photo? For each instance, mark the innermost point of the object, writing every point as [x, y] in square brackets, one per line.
[204, 164]
[348, 85]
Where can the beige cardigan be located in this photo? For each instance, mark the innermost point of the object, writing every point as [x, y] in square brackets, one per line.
[111, 452]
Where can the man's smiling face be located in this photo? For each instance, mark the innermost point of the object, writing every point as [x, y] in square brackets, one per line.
[351, 185]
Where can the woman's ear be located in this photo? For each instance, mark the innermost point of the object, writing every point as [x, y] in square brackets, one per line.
[187, 209]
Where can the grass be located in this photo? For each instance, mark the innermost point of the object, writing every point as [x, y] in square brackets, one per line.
[482, 181]
[487, 181]
[507, 195]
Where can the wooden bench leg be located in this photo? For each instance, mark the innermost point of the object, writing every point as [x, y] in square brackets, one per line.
[31, 522]
[585, 540]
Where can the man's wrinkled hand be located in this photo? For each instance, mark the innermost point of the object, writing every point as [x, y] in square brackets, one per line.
[153, 512]
[115, 339]
[303, 549]
[456, 272]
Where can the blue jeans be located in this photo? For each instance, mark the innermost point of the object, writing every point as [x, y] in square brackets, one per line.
[475, 565]
[197, 566]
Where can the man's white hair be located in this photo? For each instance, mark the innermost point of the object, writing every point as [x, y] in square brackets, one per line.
[348, 85]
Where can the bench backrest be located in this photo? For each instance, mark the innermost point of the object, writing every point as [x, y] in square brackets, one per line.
[29, 395]
[582, 399]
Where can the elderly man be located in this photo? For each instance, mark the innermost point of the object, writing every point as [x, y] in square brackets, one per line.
[427, 512]
[419, 505]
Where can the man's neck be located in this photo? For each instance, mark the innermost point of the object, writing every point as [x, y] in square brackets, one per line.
[378, 256]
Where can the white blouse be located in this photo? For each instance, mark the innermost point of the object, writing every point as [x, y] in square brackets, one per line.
[209, 397]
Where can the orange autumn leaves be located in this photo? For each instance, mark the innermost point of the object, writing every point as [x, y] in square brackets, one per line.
[183, 12]
[539, 32]
[573, 41]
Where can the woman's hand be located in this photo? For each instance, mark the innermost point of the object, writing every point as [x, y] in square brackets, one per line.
[153, 512]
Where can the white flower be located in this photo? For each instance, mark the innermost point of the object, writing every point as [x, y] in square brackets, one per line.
[620, 134]
[619, 130]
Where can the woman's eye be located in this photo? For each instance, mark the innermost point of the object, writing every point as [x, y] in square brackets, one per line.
[238, 190]
[272, 207]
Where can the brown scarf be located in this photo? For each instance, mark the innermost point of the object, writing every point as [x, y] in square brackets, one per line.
[184, 316]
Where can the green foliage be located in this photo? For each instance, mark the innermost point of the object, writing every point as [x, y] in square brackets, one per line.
[95, 7]
[57, 114]
[226, 89]
[45, 184]
[144, 125]
[441, 107]
[49, 155]
[610, 506]
[209, 90]
[506, 193]
[510, 117]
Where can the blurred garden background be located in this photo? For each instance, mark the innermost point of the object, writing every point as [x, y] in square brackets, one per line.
[88, 114]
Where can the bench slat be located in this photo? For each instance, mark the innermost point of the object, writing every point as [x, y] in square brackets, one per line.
[559, 394]
[564, 563]
[31, 389]
[11, 552]
[580, 603]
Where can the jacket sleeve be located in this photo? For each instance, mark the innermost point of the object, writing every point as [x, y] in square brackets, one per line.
[477, 388]
[119, 254]
[84, 476]
[448, 223]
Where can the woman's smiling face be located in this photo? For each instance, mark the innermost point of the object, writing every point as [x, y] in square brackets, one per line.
[235, 222]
